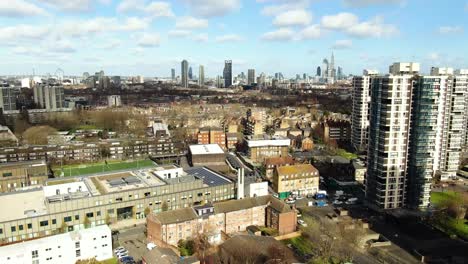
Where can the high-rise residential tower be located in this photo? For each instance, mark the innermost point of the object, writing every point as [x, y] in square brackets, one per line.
[319, 71]
[49, 96]
[454, 110]
[360, 111]
[173, 74]
[201, 75]
[389, 123]
[8, 97]
[190, 73]
[250, 76]
[184, 73]
[227, 73]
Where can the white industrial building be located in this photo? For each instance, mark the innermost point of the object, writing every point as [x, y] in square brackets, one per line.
[95, 242]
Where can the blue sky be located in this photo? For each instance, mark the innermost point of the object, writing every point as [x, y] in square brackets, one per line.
[145, 37]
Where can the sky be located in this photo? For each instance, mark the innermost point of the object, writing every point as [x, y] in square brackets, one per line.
[145, 37]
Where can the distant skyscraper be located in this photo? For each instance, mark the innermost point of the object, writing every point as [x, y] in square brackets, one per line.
[325, 69]
[201, 75]
[173, 74]
[190, 73]
[331, 70]
[250, 76]
[298, 77]
[339, 74]
[227, 73]
[184, 73]
[319, 71]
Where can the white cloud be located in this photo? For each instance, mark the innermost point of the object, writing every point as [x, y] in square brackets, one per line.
[179, 33]
[339, 21]
[282, 34]
[311, 32]
[434, 56]
[343, 44]
[21, 32]
[149, 40]
[372, 28]
[272, 10]
[61, 46]
[153, 9]
[112, 44]
[293, 18]
[229, 38]
[102, 24]
[189, 22]
[203, 37]
[159, 9]
[20, 8]
[362, 3]
[349, 23]
[450, 29]
[69, 5]
[213, 8]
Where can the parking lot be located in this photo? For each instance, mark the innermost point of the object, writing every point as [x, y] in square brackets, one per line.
[134, 240]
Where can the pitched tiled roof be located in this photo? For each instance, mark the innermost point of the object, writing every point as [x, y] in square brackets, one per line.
[296, 169]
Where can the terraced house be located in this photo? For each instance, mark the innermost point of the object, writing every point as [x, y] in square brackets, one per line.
[77, 203]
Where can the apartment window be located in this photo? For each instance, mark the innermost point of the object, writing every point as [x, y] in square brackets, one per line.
[77, 217]
[1, 231]
[13, 229]
[29, 226]
[110, 211]
[7, 174]
[91, 214]
[118, 199]
[77, 244]
[20, 227]
[35, 254]
[44, 223]
[78, 253]
[67, 219]
[54, 221]
[98, 213]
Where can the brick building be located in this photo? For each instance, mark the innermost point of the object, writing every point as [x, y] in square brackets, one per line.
[272, 163]
[260, 148]
[301, 179]
[167, 228]
[16, 175]
[211, 135]
[338, 130]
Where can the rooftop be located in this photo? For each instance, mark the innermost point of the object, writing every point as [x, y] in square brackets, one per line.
[209, 177]
[297, 169]
[18, 205]
[206, 149]
[279, 160]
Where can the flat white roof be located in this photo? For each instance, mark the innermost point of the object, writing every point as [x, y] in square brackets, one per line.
[268, 142]
[65, 188]
[206, 149]
[19, 205]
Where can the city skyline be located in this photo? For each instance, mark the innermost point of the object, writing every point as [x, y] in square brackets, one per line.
[150, 38]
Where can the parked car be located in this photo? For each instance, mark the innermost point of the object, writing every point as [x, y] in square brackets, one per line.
[127, 260]
[119, 249]
[302, 223]
[337, 202]
[122, 254]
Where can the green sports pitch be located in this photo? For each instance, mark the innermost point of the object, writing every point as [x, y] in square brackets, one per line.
[99, 167]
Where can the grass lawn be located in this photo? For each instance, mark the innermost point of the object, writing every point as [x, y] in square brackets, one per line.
[446, 223]
[438, 198]
[82, 169]
[110, 261]
[302, 244]
[345, 154]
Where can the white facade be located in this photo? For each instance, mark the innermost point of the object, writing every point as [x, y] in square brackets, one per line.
[360, 113]
[169, 172]
[268, 142]
[114, 101]
[65, 248]
[453, 116]
[404, 68]
[206, 149]
[256, 189]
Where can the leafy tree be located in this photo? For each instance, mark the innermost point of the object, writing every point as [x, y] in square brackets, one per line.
[86, 222]
[37, 135]
[164, 207]
[147, 211]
